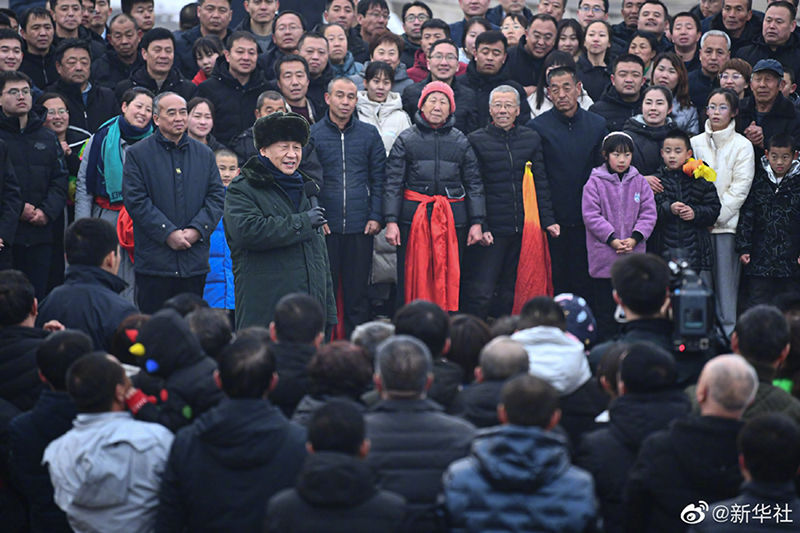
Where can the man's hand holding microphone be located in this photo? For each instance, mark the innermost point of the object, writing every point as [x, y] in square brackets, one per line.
[316, 215]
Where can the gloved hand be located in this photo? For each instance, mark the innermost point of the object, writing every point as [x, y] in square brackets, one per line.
[317, 217]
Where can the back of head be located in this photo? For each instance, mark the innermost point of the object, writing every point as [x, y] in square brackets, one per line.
[16, 298]
[608, 367]
[337, 426]
[641, 282]
[770, 444]
[58, 351]
[340, 368]
[212, 328]
[89, 240]
[542, 311]
[503, 358]
[165, 344]
[299, 318]
[92, 382]
[425, 321]
[246, 367]
[185, 303]
[468, 335]
[403, 363]
[762, 333]
[370, 334]
[529, 401]
[505, 325]
[647, 368]
[125, 336]
[731, 383]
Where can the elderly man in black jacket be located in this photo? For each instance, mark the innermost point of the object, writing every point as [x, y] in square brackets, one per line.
[413, 442]
[174, 195]
[503, 150]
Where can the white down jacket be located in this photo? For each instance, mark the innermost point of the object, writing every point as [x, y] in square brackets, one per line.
[388, 117]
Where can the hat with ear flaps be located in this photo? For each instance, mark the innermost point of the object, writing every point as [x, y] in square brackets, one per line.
[165, 344]
[280, 127]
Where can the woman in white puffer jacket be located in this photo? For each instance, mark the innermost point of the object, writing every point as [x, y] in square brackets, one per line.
[731, 156]
[378, 106]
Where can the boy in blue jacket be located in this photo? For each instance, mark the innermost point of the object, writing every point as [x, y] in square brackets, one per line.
[219, 282]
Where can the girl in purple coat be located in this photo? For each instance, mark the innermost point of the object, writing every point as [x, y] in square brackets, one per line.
[619, 213]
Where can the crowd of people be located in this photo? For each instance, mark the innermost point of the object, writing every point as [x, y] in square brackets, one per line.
[304, 267]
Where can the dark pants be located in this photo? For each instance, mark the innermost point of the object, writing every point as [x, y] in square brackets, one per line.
[604, 308]
[490, 271]
[153, 291]
[763, 290]
[6, 257]
[461, 235]
[57, 263]
[570, 263]
[350, 257]
[34, 262]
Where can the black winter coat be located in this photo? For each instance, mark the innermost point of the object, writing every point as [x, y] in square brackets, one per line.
[31, 433]
[615, 110]
[291, 365]
[769, 224]
[579, 410]
[234, 104]
[353, 162]
[167, 187]
[244, 148]
[756, 495]
[787, 55]
[466, 104]
[700, 86]
[413, 443]
[317, 87]
[433, 162]
[101, 105]
[88, 301]
[480, 403]
[594, 79]
[695, 459]
[97, 46]
[184, 57]
[483, 86]
[523, 67]
[41, 171]
[19, 373]
[224, 468]
[502, 156]
[40, 69]
[266, 60]
[647, 143]
[335, 493]
[609, 453]
[782, 118]
[751, 32]
[108, 70]
[173, 83]
[692, 236]
[11, 202]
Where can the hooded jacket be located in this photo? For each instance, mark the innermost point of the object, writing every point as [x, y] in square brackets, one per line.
[19, 373]
[108, 70]
[388, 117]
[755, 496]
[88, 301]
[647, 142]
[483, 85]
[335, 493]
[433, 162]
[614, 208]
[481, 401]
[555, 357]
[769, 223]
[615, 110]
[219, 289]
[781, 118]
[291, 365]
[267, 233]
[695, 459]
[101, 104]
[107, 471]
[30, 433]
[466, 103]
[38, 164]
[40, 69]
[174, 82]
[518, 479]
[609, 453]
[234, 103]
[731, 156]
[224, 468]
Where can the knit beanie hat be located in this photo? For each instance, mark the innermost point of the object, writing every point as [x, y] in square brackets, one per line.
[438, 87]
[647, 368]
[166, 344]
[580, 319]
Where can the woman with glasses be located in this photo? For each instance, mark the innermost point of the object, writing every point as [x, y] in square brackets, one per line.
[730, 154]
[669, 70]
[735, 75]
[513, 27]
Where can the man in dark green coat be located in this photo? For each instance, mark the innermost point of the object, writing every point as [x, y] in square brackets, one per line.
[274, 233]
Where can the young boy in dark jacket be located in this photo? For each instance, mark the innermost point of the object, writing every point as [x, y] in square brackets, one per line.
[768, 235]
[687, 207]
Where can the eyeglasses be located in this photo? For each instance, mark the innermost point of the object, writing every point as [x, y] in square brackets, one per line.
[16, 92]
[734, 77]
[60, 111]
[422, 17]
[597, 10]
[507, 106]
[448, 57]
[378, 14]
[714, 109]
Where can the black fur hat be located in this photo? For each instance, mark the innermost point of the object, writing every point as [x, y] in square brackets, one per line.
[280, 126]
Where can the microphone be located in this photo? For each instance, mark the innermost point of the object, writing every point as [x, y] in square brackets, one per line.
[312, 190]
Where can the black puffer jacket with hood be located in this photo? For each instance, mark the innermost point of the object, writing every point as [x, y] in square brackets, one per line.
[647, 141]
[483, 85]
[224, 468]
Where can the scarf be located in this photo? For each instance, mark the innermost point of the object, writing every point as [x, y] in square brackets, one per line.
[291, 184]
[104, 171]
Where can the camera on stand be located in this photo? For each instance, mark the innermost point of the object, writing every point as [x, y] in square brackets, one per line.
[694, 317]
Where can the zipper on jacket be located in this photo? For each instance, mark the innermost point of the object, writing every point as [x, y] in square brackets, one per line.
[344, 186]
[436, 168]
[680, 220]
[513, 187]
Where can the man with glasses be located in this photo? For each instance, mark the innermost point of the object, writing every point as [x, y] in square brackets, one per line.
[432, 30]
[591, 10]
[287, 29]
[525, 60]
[373, 15]
[471, 9]
[37, 159]
[67, 15]
[215, 17]
[414, 15]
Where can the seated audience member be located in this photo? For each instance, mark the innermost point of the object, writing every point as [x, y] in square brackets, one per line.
[648, 401]
[370, 334]
[696, 458]
[297, 333]
[762, 337]
[520, 472]
[769, 458]
[125, 337]
[338, 371]
[468, 335]
[558, 358]
[106, 471]
[413, 441]
[51, 417]
[225, 466]
[167, 349]
[499, 361]
[185, 303]
[19, 340]
[89, 299]
[213, 329]
[336, 491]
[607, 372]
